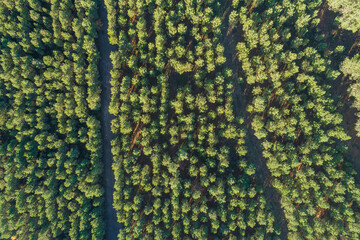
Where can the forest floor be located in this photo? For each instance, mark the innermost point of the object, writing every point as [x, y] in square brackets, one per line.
[254, 154]
[112, 226]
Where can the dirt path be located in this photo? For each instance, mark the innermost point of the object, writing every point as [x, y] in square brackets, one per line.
[112, 226]
[254, 154]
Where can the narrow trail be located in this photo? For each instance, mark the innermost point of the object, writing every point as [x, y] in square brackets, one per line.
[263, 175]
[111, 225]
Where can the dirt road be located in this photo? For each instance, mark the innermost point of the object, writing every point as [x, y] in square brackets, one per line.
[112, 226]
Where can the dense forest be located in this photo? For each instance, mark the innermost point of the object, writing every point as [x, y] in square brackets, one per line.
[288, 71]
[50, 169]
[179, 156]
[235, 119]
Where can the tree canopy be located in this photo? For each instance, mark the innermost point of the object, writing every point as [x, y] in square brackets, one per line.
[349, 10]
[50, 144]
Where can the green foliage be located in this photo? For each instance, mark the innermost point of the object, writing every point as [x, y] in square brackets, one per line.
[351, 67]
[349, 11]
[182, 170]
[180, 160]
[297, 120]
[50, 168]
